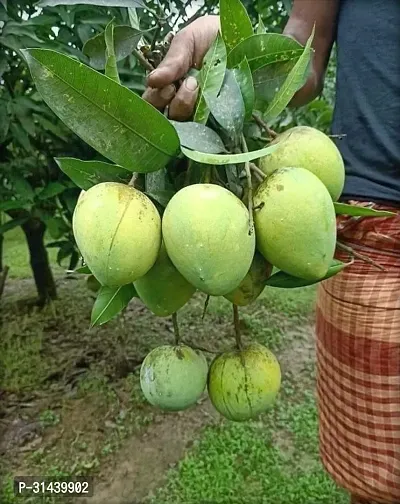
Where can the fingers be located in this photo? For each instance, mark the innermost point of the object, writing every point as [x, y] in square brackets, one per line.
[182, 105]
[176, 63]
[160, 98]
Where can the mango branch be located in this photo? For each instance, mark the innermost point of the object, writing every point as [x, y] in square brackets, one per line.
[236, 323]
[205, 307]
[249, 187]
[254, 168]
[362, 257]
[263, 125]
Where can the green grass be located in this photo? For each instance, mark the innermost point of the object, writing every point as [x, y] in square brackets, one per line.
[16, 254]
[273, 461]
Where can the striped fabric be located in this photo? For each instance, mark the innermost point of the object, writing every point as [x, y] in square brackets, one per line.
[358, 358]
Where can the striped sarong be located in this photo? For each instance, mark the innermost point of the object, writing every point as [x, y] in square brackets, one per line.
[358, 362]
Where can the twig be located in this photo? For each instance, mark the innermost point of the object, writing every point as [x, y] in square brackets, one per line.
[257, 170]
[196, 347]
[273, 134]
[359, 256]
[142, 60]
[176, 328]
[133, 180]
[249, 187]
[236, 323]
[195, 16]
[207, 175]
[205, 307]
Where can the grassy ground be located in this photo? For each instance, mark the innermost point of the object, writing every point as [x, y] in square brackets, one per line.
[71, 402]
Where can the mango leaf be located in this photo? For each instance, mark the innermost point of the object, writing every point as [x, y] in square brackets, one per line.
[261, 27]
[265, 49]
[283, 280]
[111, 69]
[126, 39]
[197, 136]
[210, 78]
[65, 251]
[86, 174]
[110, 302]
[222, 159]
[162, 197]
[139, 4]
[83, 270]
[116, 122]
[288, 5]
[235, 23]
[357, 211]
[22, 187]
[51, 190]
[5, 120]
[268, 80]
[13, 204]
[228, 107]
[11, 224]
[244, 78]
[293, 82]
[4, 3]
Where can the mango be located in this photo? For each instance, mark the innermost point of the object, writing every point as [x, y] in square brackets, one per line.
[118, 231]
[173, 378]
[206, 233]
[295, 223]
[163, 289]
[253, 283]
[309, 148]
[242, 384]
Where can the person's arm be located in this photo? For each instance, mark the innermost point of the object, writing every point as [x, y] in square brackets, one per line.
[306, 13]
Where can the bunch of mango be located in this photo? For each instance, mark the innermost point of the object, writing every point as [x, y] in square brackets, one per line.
[203, 243]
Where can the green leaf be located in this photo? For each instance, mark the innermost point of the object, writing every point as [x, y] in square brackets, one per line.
[13, 204]
[4, 3]
[245, 80]
[268, 80]
[221, 159]
[22, 187]
[5, 120]
[111, 69]
[162, 197]
[11, 224]
[228, 107]
[21, 137]
[210, 78]
[288, 5]
[126, 39]
[86, 174]
[265, 49]
[358, 211]
[283, 280]
[56, 227]
[51, 190]
[261, 27]
[65, 251]
[235, 23]
[110, 302]
[116, 122]
[83, 270]
[293, 82]
[196, 136]
[139, 4]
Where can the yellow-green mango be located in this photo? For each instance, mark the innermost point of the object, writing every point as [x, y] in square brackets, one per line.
[118, 231]
[295, 223]
[253, 283]
[206, 233]
[163, 289]
[244, 383]
[173, 378]
[308, 148]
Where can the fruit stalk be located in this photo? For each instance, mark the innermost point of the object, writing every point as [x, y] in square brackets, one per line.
[272, 134]
[249, 187]
[236, 323]
[176, 328]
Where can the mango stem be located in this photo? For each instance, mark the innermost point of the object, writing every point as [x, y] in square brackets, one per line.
[249, 187]
[236, 323]
[176, 328]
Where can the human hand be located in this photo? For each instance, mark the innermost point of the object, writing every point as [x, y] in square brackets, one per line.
[187, 50]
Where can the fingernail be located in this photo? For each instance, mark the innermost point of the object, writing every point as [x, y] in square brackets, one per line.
[191, 83]
[168, 92]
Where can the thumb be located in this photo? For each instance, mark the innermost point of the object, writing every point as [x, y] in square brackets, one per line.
[176, 63]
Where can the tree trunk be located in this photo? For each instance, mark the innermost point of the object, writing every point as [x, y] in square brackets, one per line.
[34, 230]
